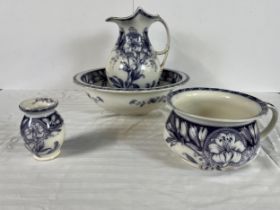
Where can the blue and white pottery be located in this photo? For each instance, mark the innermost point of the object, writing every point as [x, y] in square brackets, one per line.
[128, 101]
[42, 128]
[133, 62]
[215, 128]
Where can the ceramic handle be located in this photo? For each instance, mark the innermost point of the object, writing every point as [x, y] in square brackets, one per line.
[272, 122]
[166, 50]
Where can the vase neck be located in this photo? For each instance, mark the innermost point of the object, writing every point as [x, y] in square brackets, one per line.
[39, 114]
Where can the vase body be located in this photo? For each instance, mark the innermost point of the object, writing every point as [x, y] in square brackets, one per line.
[43, 133]
[133, 63]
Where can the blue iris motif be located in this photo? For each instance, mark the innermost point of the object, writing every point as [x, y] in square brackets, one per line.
[135, 49]
[37, 130]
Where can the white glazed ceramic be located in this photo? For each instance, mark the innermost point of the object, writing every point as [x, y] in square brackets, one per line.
[42, 128]
[215, 128]
[127, 101]
[133, 63]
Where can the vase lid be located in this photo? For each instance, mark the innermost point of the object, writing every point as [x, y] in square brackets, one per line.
[36, 105]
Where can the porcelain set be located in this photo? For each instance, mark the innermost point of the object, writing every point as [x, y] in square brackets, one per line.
[209, 128]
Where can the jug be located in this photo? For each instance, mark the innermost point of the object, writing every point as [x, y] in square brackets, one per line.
[133, 63]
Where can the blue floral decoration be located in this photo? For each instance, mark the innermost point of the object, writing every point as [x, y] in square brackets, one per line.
[135, 49]
[96, 99]
[36, 130]
[213, 147]
[158, 99]
[98, 79]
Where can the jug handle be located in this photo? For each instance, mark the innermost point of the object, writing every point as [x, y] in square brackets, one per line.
[166, 50]
[272, 122]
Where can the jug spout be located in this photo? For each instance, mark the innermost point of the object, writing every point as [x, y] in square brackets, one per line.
[139, 17]
[113, 20]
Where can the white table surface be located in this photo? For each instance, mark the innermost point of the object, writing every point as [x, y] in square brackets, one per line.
[117, 162]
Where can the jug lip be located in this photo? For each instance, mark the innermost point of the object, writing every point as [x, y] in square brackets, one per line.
[138, 11]
[262, 104]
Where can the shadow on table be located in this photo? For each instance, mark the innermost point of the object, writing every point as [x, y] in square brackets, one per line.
[162, 154]
[151, 144]
[88, 142]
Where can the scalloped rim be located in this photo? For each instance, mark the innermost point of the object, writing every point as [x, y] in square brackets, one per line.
[138, 11]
